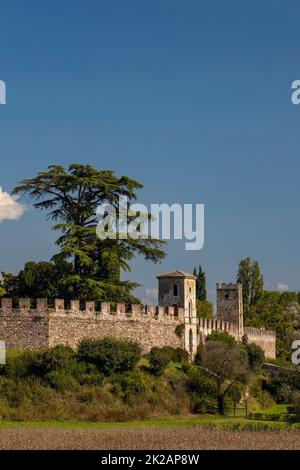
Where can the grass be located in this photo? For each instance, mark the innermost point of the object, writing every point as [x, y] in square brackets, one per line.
[207, 421]
[275, 409]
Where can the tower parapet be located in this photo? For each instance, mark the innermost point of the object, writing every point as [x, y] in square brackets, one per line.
[230, 304]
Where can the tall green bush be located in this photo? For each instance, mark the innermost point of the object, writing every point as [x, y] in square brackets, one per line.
[110, 355]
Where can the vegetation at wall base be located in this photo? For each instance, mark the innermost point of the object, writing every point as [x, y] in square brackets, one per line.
[111, 381]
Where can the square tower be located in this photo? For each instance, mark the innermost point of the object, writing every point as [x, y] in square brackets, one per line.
[230, 304]
[178, 289]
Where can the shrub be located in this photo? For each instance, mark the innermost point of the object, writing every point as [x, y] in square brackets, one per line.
[13, 391]
[200, 354]
[159, 360]
[199, 383]
[60, 380]
[128, 385]
[20, 364]
[283, 385]
[255, 355]
[91, 379]
[86, 397]
[110, 355]
[174, 354]
[179, 330]
[202, 390]
[59, 358]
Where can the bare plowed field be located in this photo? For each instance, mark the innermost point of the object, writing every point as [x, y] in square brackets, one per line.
[129, 438]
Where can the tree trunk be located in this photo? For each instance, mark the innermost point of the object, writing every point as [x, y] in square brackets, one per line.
[221, 407]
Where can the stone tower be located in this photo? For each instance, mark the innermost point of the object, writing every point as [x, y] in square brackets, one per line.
[178, 289]
[230, 304]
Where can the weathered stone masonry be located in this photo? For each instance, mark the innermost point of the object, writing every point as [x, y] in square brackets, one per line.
[173, 323]
[43, 327]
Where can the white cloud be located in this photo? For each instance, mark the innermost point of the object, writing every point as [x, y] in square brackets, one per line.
[150, 296]
[282, 287]
[10, 209]
[151, 292]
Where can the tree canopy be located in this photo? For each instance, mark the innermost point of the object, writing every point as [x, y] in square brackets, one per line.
[200, 284]
[250, 277]
[71, 197]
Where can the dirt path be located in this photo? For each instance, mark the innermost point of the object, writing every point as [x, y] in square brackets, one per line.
[143, 438]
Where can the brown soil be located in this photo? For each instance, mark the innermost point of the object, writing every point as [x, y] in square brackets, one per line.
[142, 438]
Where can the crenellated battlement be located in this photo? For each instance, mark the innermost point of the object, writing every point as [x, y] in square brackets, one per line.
[90, 308]
[230, 285]
[266, 339]
[259, 334]
[39, 323]
[206, 327]
[36, 324]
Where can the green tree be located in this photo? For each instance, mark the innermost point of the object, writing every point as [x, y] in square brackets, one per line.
[38, 280]
[71, 197]
[200, 284]
[272, 315]
[250, 277]
[205, 309]
[226, 366]
[223, 337]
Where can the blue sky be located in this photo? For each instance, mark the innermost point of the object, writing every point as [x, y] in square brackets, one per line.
[190, 98]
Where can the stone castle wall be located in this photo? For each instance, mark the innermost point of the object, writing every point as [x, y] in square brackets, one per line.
[266, 339]
[23, 327]
[206, 327]
[42, 327]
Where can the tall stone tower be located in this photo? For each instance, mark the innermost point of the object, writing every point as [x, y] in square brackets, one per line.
[178, 289]
[230, 304]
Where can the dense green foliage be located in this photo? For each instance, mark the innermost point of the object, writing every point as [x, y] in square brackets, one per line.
[284, 386]
[110, 380]
[255, 356]
[91, 385]
[110, 355]
[278, 311]
[158, 361]
[159, 358]
[200, 284]
[229, 365]
[43, 279]
[226, 364]
[88, 268]
[205, 309]
[250, 277]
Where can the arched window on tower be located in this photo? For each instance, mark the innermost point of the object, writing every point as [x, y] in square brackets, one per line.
[175, 292]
